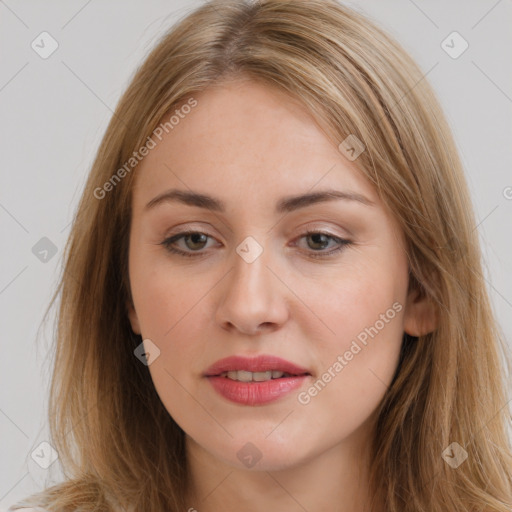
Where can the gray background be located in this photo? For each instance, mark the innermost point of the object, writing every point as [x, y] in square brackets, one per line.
[54, 112]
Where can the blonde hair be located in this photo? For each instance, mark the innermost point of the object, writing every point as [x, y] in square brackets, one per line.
[118, 445]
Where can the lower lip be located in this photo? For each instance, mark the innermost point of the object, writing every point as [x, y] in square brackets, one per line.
[256, 393]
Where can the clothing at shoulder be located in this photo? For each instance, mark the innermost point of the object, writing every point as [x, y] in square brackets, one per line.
[31, 509]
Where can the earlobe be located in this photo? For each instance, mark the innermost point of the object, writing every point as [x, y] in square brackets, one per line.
[132, 315]
[420, 316]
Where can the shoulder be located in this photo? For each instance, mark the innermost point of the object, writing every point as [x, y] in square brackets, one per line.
[31, 509]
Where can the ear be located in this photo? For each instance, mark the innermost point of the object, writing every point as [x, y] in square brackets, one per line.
[132, 315]
[420, 316]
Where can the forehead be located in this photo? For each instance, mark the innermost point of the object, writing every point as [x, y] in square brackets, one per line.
[244, 136]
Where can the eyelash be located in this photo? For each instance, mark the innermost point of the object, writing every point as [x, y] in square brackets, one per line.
[168, 244]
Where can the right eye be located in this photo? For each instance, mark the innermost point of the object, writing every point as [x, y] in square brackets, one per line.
[197, 238]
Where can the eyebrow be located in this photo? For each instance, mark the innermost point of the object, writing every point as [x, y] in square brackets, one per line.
[284, 205]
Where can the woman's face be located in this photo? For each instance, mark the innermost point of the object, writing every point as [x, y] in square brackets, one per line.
[251, 282]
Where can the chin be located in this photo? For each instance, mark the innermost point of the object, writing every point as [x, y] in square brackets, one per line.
[255, 453]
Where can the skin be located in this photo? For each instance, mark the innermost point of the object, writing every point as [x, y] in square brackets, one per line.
[251, 145]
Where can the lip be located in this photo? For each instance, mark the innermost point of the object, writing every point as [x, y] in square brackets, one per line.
[255, 393]
[262, 363]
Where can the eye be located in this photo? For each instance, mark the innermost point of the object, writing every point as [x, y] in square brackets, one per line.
[320, 238]
[197, 240]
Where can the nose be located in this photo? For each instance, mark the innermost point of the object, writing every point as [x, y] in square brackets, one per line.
[252, 299]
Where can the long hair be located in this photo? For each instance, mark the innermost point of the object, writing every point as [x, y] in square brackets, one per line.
[118, 446]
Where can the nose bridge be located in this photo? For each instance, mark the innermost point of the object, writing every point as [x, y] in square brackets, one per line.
[252, 295]
[250, 273]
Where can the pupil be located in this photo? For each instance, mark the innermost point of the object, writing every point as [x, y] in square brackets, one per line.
[315, 237]
[194, 237]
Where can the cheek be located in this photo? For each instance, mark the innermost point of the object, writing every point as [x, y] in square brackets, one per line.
[357, 361]
[162, 295]
[175, 323]
[351, 302]
[173, 313]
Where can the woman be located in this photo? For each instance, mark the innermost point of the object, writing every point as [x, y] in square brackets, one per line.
[259, 370]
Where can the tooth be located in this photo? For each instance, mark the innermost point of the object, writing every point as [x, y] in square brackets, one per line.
[244, 376]
[261, 376]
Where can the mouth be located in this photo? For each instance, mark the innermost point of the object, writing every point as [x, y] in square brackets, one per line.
[245, 376]
[255, 381]
[257, 369]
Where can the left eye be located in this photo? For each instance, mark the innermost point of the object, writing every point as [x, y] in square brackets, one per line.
[198, 241]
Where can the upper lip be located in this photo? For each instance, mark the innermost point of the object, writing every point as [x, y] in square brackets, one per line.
[262, 363]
